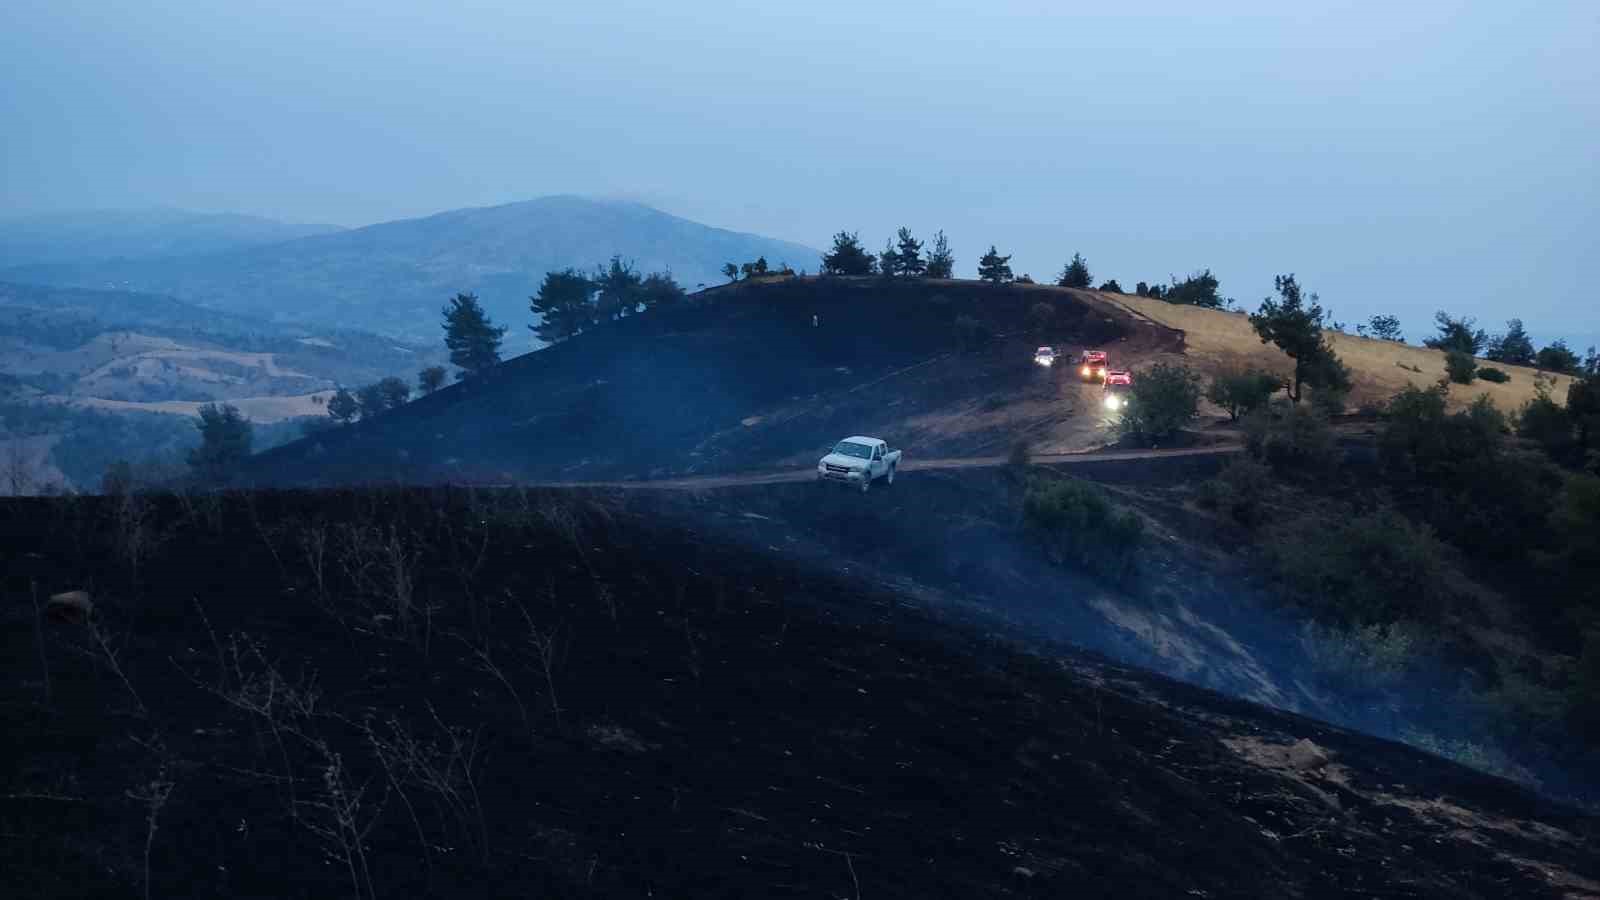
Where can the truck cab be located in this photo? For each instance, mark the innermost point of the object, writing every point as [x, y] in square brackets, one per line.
[858, 461]
[1092, 365]
[1045, 356]
[1118, 387]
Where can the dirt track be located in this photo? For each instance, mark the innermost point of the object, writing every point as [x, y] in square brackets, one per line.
[704, 482]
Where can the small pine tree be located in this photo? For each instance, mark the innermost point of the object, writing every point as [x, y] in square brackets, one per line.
[1514, 347]
[473, 339]
[908, 261]
[994, 268]
[1076, 273]
[396, 393]
[731, 272]
[659, 290]
[1558, 357]
[941, 262]
[431, 379]
[225, 438]
[1457, 334]
[562, 305]
[1383, 328]
[847, 257]
[343, 407]
[1296, 329]
[1110, 287]
[618, 286]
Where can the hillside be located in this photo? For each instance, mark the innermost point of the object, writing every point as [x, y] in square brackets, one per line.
[393, 277]
[643, 707]
[738, 378]
[92, 235]
[1217, 339]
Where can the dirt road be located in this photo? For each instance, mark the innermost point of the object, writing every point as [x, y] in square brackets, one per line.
[706, 482]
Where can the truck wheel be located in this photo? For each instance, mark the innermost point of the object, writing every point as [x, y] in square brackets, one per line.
[866, 483]
[889, 478]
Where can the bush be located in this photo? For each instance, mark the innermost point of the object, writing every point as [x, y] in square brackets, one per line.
[1490, 373]
[1290, 436]
[1377, 568]
[1239, 490]
[1369, 656]
[1242, 392]
[1547, 423]
[1021, 455]
[1041, 316]
[1164, 398]
[1080, 527]
[1461, 367]
[971, 334]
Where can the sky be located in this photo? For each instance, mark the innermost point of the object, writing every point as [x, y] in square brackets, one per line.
[1398, 157]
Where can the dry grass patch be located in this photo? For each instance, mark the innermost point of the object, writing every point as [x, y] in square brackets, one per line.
[1217, 340]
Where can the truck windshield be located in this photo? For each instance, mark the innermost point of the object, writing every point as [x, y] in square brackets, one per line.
[859, 451]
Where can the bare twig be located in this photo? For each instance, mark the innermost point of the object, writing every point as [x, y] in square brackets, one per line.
[487, 664]
[544, 644]
[112, 662]
[153, 795]
[38, 630]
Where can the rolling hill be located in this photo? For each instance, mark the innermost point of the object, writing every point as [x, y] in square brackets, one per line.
[393, 277]
[93, 235]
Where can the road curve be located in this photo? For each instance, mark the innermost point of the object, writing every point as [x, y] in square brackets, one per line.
[706, 482]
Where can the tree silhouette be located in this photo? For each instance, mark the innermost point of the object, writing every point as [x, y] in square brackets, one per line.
[618, 286]
[473, 340]
[994, 268]
[343, 406]
[847, 257]
[905, 260]
[431, 379]
[1297, 330]
[1075, 274]
[941, 262]
[731, 271]
[562, 306]
[225, 437]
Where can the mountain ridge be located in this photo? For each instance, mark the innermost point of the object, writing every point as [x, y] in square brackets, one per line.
[392, 277]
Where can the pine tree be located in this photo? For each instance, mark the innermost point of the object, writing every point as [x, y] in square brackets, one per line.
[225, 437]
[731, 271]
[562, 305]
[1297, 330]
[994, 268]
[1075, 274]
[618, 286]
[847, 257]
[1513, 347]
[431, 379]
[941, 262]
[343, 408]
[473, 340]
[659, 290]
[908, 261]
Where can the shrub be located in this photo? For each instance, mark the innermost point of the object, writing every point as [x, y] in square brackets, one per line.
[1460, 366]
[971, 333]
[1377, 568]
[1078, 526]
[1164, 398]
[1490, 373]
[1021, 454]
[1241, 392]
[1370, 656]
[1239, 490]
[1547, 423]
[1290, 436]
[1041, 316]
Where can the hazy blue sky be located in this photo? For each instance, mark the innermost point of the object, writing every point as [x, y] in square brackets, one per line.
[1398, 156]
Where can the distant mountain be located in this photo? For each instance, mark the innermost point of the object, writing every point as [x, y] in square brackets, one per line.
[394, 277]
[93, 236]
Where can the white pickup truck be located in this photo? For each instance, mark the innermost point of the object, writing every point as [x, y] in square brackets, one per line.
[858, 461]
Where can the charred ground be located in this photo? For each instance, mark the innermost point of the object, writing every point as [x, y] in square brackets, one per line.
[738, 377]
[570, 693]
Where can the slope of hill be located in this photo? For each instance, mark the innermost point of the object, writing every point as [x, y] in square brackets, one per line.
[91, 235]
[393, 277]
[1218, 339]
[651, 711]
[739, 378]
[95, 376]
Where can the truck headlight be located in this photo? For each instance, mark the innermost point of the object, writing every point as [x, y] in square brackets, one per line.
[1102, 372]
[1086, 371]
[1112, 403]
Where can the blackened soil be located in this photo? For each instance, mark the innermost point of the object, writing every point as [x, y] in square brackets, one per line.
[545, 694]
